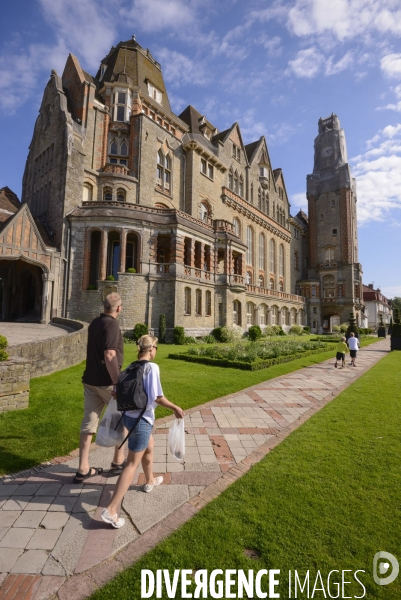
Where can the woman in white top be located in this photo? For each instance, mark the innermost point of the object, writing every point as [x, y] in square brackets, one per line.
[140, 442]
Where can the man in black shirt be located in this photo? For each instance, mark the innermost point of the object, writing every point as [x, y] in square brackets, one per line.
[104, 359]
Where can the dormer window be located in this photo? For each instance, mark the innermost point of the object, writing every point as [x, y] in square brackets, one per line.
[102, 71]
[155, 93]
[121, 101]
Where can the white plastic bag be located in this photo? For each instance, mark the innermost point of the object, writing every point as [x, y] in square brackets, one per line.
[176, 439]
[107, 435]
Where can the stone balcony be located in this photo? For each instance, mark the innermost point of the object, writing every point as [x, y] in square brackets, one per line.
[255, 289]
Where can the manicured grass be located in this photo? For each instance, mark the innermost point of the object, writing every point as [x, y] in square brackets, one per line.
[50, 426]
[328, 497]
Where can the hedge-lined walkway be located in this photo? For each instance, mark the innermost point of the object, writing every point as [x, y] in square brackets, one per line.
[52, 540]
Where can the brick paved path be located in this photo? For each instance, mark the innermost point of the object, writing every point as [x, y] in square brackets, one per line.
[53, 543]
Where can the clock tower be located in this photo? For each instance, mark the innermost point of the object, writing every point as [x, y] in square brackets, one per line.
[334, 284]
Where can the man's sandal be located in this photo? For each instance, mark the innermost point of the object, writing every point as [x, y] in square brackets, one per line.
[80, 477]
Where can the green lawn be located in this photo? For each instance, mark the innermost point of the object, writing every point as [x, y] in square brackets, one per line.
[328, 497]
[50, 426]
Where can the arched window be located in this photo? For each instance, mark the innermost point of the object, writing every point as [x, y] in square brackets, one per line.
[262, 315]
[249, 243]
[230, 179]
[198, 305]
[272, 256]
[107, 195]
[163, 171]
[274, 315]
[249, 313]
[124, 148]
[208, 303]
[284, 316]
[301, 316]
[237, 227]
[261, 281]
[293, 316]
[241, 187]
[314, 324]
[113, 147]
[329, 255]
[160, 205]
[281, 261]
[236, 182]
[120, 195]
[329, 286]
[280, 286]
[187, 301]
[272, 284]
[237, 312]
[248, 278]
[203, 211]
[87, 192]
[262, 251]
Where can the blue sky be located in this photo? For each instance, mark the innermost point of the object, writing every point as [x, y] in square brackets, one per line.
[273, 66]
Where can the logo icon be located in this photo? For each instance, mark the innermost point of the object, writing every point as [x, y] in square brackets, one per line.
[381, 565]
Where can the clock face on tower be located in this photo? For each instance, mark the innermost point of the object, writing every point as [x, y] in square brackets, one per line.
[327, 151]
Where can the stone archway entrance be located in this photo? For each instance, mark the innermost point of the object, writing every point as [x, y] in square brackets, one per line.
[329, 321]
[22, 291]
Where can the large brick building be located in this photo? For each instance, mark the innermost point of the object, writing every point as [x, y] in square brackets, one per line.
[188, 220]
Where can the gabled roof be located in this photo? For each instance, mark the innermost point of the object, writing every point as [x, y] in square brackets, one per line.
[222, 136]
[192, 118]
[9, 204]
[251, 149]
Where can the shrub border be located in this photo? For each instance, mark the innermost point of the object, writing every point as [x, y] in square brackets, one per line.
[256, 365]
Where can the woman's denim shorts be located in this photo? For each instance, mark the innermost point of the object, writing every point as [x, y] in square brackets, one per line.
[139, 438]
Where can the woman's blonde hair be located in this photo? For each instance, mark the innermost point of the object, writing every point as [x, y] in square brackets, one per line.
[145, 343]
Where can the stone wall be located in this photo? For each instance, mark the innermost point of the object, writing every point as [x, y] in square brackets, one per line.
[56, 353]
[14, 384]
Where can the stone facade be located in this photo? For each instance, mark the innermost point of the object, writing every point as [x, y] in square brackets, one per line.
[178, 217]
[15, 375]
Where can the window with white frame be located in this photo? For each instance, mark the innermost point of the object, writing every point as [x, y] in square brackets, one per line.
[155, 93]
[107, 194]
[272, 256]
[87, 192]
[198, 304]
[121, 101]
[248, 278]
[329, 255]
[329, 286]
[237, 226]
[236, 152]
[187, 301]
[261, 281]
[249, 243]
[237, 312]
[281, 260]
[313, 291]
[204, 211]
[262, 315]
[271, 284]
[293, 316]
[249, 313]
[206, 168]
[163, 171]
[262, 251]
[274, 315]
[120, 195]
[281, 286]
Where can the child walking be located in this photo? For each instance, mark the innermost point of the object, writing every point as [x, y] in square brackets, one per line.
[353, 344]
[140, 442]
[341, 349]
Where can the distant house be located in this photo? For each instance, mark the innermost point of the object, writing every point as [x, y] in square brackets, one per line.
[376, 305]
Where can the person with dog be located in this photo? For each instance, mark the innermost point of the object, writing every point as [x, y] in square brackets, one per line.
[140, 440]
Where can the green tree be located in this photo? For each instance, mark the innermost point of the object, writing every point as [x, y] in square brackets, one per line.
[352, 327]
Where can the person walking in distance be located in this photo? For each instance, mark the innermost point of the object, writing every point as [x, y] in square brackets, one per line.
[140, 441]
[104, 359]
[341, 349]
[353, 345]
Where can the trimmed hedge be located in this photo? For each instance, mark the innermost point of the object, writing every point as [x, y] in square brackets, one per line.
[3, 345]
[256, 365]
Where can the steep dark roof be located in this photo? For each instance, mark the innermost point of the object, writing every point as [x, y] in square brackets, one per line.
[222, 136]
[9, 200]
[44, 233]
[129, 58]
[302, 216]
[250, 149]
[192, 118]
[277, 173]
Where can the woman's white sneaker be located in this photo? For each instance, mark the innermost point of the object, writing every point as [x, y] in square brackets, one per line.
[116, 521]
[148, 487]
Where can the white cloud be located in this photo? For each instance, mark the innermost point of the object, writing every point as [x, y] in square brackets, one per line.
[178, 69]
[307, 64]
[345, 19]
[298, 202]
[159, 15]
[342, 64]
[391, 65]
[272, 44]
[378, 175]
[87, 29]
[392, 291]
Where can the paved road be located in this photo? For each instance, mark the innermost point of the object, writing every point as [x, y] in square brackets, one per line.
[52, 540]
